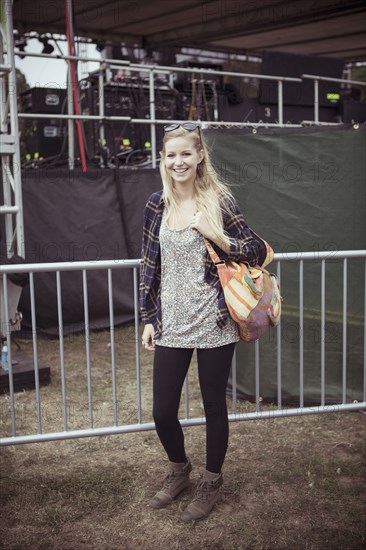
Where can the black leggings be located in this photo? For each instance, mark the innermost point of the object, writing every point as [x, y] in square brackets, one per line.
[170, 369]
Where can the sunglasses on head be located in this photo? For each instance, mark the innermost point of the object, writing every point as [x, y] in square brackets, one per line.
[189, 126]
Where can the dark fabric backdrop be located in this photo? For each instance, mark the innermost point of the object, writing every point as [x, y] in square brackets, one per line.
[71, 217]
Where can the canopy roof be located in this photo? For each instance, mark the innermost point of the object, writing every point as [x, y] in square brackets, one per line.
[322, 27]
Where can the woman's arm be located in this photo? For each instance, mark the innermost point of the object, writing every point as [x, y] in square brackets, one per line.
[242, 246]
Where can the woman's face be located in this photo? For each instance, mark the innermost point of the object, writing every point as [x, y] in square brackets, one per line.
[181, 159]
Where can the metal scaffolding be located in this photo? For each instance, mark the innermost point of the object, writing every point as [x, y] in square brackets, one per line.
[12, 208]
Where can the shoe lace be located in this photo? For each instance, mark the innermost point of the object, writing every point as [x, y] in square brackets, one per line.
[202, 492]
[169, 480]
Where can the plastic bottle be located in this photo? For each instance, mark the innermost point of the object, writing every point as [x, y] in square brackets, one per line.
[4, 356]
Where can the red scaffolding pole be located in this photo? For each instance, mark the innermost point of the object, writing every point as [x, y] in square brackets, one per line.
[74, 80]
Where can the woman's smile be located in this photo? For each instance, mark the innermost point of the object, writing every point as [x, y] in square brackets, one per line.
[180, 170]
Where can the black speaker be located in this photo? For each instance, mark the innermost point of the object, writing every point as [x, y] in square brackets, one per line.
[165, 109]
[117, 102]
[300, 93]
[200, 108]
[184, 80]
[353, 111]
[44, 138]
[44, 100]
[296, 114]
[246, 111]
[129, 100]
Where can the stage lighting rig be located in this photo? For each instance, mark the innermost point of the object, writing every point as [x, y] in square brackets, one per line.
[21, 43]
[100, 45]
[47, 47]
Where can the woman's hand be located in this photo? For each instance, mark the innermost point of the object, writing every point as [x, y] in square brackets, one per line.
[148, 337]
[199, 222]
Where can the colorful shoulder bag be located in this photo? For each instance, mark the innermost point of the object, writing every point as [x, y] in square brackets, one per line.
[252, 294]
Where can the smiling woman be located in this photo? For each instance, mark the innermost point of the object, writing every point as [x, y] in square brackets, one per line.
[183, 306]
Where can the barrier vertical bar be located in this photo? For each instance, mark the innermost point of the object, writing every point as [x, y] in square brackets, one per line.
[10, 364]
[137, 343]
[280, 101]
[113, 350]
[35, 351]
[87, 348]
[344, 352]
[234, 382]
[256, 360]
[186, 397]
[301, 331]
[279, 350]
[322, 336]
[61, 346]
[316, 101]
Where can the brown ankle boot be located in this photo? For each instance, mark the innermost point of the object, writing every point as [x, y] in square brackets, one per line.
[206, 496]
[174, 483]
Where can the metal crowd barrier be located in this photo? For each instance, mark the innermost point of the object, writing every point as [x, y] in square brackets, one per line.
[139, 424]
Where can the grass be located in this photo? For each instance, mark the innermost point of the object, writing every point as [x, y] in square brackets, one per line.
[290, 483]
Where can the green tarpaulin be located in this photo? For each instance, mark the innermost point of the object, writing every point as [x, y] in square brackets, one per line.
[303, 190]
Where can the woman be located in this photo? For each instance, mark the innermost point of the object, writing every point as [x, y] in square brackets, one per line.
[183, 306]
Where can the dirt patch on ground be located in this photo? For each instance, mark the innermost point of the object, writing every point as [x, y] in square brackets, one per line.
[289, 483]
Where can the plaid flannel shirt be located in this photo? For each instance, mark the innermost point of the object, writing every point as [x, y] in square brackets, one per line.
[243, 247]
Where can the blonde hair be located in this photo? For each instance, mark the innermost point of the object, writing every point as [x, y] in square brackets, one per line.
[212, 195]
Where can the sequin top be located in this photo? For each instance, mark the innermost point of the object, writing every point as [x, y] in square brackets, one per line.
[188, 303]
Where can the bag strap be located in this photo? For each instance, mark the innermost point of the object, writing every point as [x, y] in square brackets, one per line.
[214, 257]
[265, 261]
[217, 261]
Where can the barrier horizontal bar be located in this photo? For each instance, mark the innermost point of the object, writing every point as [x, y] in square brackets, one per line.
[321, 255]
[69, 266]
[124, 264]
[129, 428]
[328, 79]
